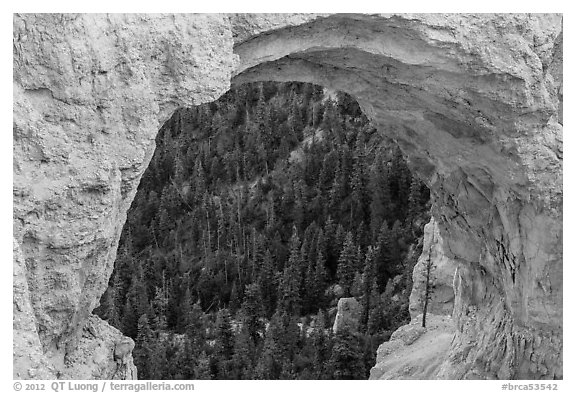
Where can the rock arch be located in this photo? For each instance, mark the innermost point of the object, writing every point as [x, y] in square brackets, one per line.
[475, 101]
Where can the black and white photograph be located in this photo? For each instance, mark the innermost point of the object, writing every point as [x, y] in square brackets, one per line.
[287, 196]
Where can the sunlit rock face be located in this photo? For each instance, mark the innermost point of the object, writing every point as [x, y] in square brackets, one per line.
[475, 102]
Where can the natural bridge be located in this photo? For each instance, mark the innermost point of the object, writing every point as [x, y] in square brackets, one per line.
[474, 101]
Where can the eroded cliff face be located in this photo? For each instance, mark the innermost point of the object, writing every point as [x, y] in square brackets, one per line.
[475, 101]
[90, 94]
[414, 351]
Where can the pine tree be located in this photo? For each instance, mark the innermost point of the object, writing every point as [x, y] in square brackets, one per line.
[376, 313]
[347, 357]
[290, 300]
[267, 284]
[242, 360]
[359, 189]
[252, 312]
[332, 252]
[346, 264]
[196, 328]
[338, 190]
[278, 349]
[317, 275]
[356, 287]
[319, 339]
[386, 256]
[203, 370]
[368, 283]
[144, 347]
[223, 343]
[136, 305]
[400, 183]
[381, 203]
[235, 301]
[267, 366]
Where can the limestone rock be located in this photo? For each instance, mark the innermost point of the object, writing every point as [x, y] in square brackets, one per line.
[441, 278]
[347, 316]
[474, 101]
[102, 353]
[28, 358]
[414, 352]
[90, 93]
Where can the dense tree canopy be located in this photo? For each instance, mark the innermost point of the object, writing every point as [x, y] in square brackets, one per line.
[253, 210]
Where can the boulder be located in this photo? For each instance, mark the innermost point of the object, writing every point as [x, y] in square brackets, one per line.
[347, 316]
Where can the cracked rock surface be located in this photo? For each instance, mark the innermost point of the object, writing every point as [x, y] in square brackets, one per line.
[474, 101]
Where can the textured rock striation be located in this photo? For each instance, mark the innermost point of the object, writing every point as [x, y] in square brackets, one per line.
[475, 102]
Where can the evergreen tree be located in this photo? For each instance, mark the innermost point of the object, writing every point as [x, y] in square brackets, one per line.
[144, 351]
[319, 340]
[209, 229]
[359, 190]
[347, 357]
[252, 312]
[267, 284]
[224, 344]
[369, 283]
[242, 363]
[346, 264]
[381, 203]
[203, 370]
[290, 300]
[376, 313]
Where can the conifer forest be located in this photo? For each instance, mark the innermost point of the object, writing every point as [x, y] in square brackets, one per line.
[257, 213]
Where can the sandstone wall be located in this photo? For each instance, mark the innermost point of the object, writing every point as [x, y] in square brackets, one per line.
[475, 101]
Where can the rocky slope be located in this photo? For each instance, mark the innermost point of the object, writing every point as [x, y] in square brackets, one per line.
[414, 352]
[475, 101]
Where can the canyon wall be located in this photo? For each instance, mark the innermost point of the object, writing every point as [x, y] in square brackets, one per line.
[474, 101]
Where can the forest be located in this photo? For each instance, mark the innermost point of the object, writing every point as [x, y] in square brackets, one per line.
[256, 214]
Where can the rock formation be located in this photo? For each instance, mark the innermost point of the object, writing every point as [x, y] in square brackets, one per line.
[475, 102]
[347, 316]
[415, 352]
[441, 300]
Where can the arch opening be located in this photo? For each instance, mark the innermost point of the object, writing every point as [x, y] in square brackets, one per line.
[260, 213]
[457, 117]
[474, 101]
